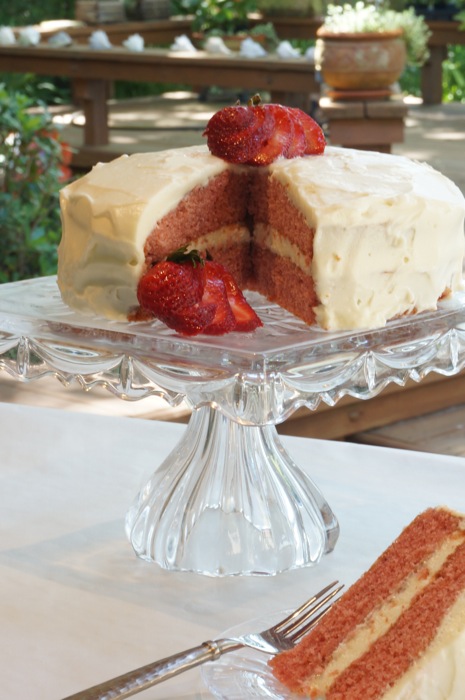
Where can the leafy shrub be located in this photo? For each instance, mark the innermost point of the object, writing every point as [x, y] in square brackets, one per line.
[24, 12]
[453, 75]
[33, 167]
[218, 16]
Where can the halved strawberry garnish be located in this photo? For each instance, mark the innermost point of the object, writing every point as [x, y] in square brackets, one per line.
[298, 140]
[314, 135]
[278, 140]
[238, 132]
[215, 293]
[259, 134]
[193, 295]
[245, 317]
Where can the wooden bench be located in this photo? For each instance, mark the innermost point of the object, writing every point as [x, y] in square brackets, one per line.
[440, 432]
[91, 72]
[158, 32]
[370, 125]
[443, 34]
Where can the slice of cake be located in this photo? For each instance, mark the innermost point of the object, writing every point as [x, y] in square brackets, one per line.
[399, 632]
[343, 238]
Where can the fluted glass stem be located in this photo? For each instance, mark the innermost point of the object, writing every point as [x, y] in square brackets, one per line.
[229, 500]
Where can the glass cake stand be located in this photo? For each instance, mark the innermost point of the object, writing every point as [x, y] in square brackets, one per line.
[228, 500]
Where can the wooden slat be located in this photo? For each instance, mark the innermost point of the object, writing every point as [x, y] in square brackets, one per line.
[351, 416]
[79, 63]
[441, 432]
[365, 124]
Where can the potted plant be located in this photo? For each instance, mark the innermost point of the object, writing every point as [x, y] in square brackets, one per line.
[366, 47]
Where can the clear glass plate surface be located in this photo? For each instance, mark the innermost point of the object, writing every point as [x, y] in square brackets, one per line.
[255, 378]
[245, 673]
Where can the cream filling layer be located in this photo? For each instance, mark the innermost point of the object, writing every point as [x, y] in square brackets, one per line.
[273, 240]
[381, 619]
[222, 238]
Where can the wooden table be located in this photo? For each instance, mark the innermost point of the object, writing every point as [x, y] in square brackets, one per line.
[372, 125]
[443, 34]
[163, 31]
[76, 604]
[92, 71]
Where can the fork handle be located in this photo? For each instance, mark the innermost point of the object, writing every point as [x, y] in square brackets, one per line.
[147, 676]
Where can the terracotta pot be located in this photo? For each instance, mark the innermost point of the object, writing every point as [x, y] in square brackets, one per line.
[370, 61]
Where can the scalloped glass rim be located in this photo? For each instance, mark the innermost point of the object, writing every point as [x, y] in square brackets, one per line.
[245, 673]
[258, 378]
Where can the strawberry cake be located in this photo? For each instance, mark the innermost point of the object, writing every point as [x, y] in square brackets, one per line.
[399, 631]
[341, 238]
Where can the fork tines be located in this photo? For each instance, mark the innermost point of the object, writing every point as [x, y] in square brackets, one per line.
[301, 621]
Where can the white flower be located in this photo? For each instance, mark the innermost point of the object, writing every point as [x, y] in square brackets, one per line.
[29, 36]
[251, 49]
[135, 42]
[60, 39]
[99, 40]
[310, 54]
[286, 50]
[215, 44]
[182, 43]
[7, 37]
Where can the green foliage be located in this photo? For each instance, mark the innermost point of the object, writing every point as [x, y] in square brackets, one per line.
[217, 16]
[290, 8]
[24, 12]
[453, 75]
[32, 170]
[410, 81]
[38, 88]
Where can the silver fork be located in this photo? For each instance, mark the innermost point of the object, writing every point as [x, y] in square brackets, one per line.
[284, 635]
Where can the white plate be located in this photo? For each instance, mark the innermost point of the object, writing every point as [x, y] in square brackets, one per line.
[245, 673]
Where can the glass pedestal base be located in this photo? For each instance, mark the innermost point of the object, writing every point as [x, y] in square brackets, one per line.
[229, 500]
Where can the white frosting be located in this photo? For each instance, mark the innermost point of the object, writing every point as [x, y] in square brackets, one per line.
[388, 232]
[107, 216]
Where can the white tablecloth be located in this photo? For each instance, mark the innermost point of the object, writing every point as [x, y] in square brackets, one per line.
[78, 607]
